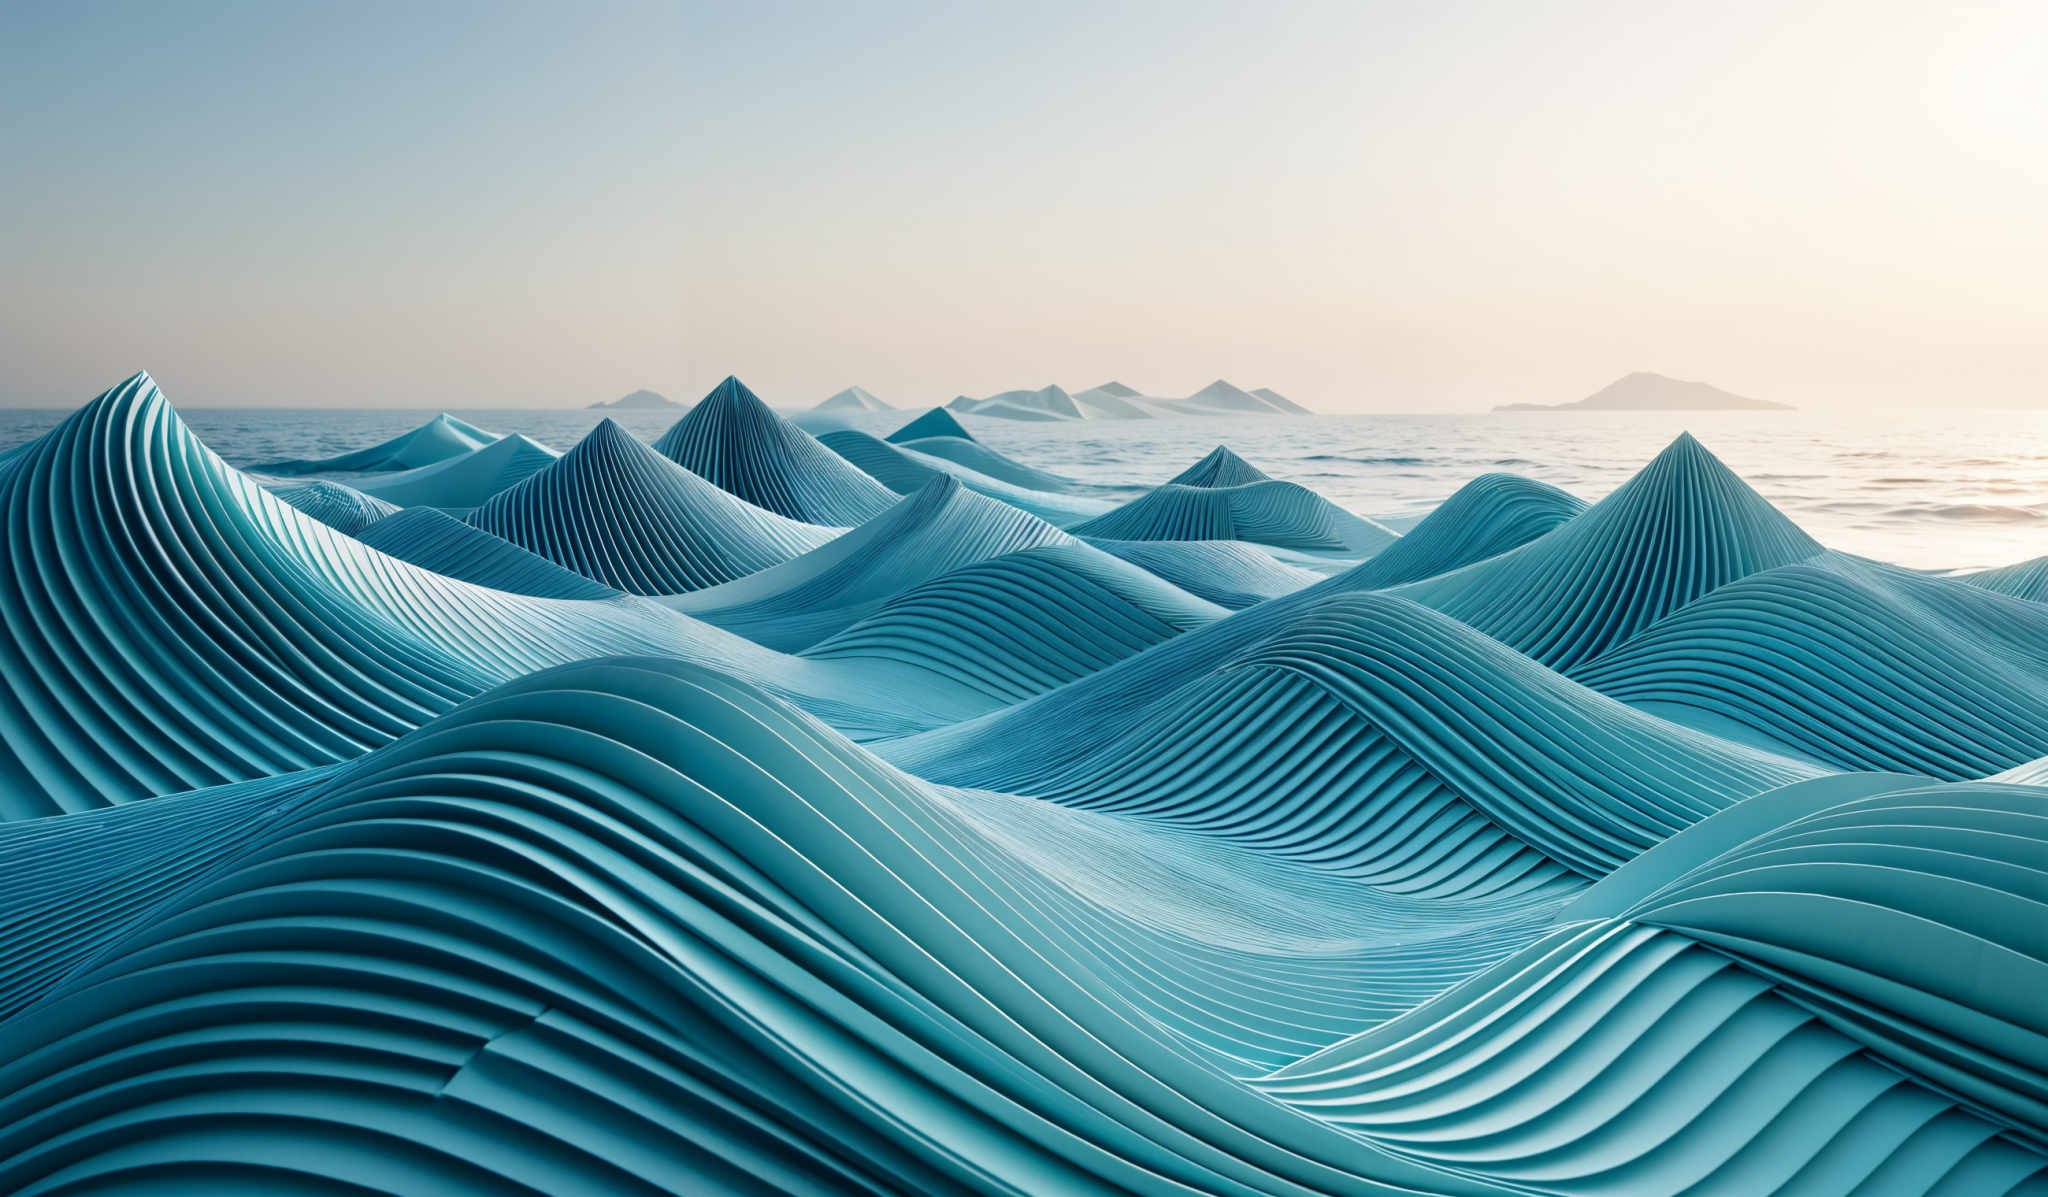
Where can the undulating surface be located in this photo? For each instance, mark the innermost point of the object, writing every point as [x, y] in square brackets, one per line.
[466, 480]
[735, 441]
[767, 813]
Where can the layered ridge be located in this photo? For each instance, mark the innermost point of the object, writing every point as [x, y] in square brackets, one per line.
[434, 540]
[732, 440]
[1484, 518]
[905, 471]
[617, 512]
[469, 480]
[1025, 622]
[1280, 514]
[1220, 468]
[438, 439]
[1854, 664]
[342, 508]
[942, 527]
[633, 926]
[1447, 727]
[1680, 528]
[935, 422]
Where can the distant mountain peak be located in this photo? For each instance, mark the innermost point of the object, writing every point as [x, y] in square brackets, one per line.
[641, 400]
[854, 399]
[1644, 390]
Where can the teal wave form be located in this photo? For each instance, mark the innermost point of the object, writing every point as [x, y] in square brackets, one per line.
[341, 508]
[438, 439]
[620, 513]
[734, 441]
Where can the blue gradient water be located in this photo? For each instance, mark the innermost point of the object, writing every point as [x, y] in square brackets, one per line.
[1930, 489]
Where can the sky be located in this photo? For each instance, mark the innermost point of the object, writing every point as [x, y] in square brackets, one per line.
[1366, 206]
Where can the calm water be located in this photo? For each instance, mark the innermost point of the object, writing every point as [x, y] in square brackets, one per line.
[1927, 489]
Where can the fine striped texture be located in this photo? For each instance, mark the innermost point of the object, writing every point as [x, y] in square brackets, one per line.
[341, 508]
[1548, 849]
[1280, 514]
[617, 512]
[732, 440]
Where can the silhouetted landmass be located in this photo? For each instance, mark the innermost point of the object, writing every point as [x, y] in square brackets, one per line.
[1644, 391]
[637, 401]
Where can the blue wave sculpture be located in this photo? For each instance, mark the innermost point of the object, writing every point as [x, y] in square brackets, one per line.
[1228, 573]
[941, 528]
[466, 481]
[935, 422]
[1682, 527]
[1856, 665]
[342, 508]
[438, 439]
[1549, 849]
[437, 541]
[1487, 516]
[905, 471]
[732, 439]
[2027, 579]
[641, 523]
[1220, 468]
[1025, 622]
[1280, 514]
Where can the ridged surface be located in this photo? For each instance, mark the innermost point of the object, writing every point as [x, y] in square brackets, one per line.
[1220, 468]
[989, 463]
[1225, 572]
[617, 512]
[341, 508]
[941, 528]
[2027, 580]
[437, 541]
[1025, 622]
[511, 882]
[469, 480]
[732, 440]
[169, 625]
[935, 422]
[1485, 518]
[1854, 664]
[1463, 719]
[905, 471]
[438, 439]
[1281, 514]
[1680, 528]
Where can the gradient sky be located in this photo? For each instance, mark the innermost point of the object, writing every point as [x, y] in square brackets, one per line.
[1407, 207]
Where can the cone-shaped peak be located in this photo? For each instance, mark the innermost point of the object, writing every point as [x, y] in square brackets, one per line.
[1684, 526]
[1220, 468]
[936, 422]
[734, 441]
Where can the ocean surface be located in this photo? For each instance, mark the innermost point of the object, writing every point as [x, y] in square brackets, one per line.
[1938, 490]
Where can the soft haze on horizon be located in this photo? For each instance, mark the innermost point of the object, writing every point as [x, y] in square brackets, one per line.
[1401, 207]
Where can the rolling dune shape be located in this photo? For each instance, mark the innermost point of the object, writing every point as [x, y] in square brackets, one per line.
[1280, 514]
[467, 481]
[619, 513]
[732, 440]
[342, 508]
[744, 825]
[438, 439]
[1679, 529]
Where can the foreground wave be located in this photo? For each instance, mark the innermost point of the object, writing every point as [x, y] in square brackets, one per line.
[755, 813]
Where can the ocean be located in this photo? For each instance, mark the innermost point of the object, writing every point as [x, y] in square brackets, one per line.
[1936, 490]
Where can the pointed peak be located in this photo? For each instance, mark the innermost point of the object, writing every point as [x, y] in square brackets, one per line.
[1220, 468]
[732, 392]
[936, 422]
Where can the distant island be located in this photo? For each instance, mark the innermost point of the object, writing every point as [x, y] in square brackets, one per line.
[637, 401]
[1644, 391]
[854, 399]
